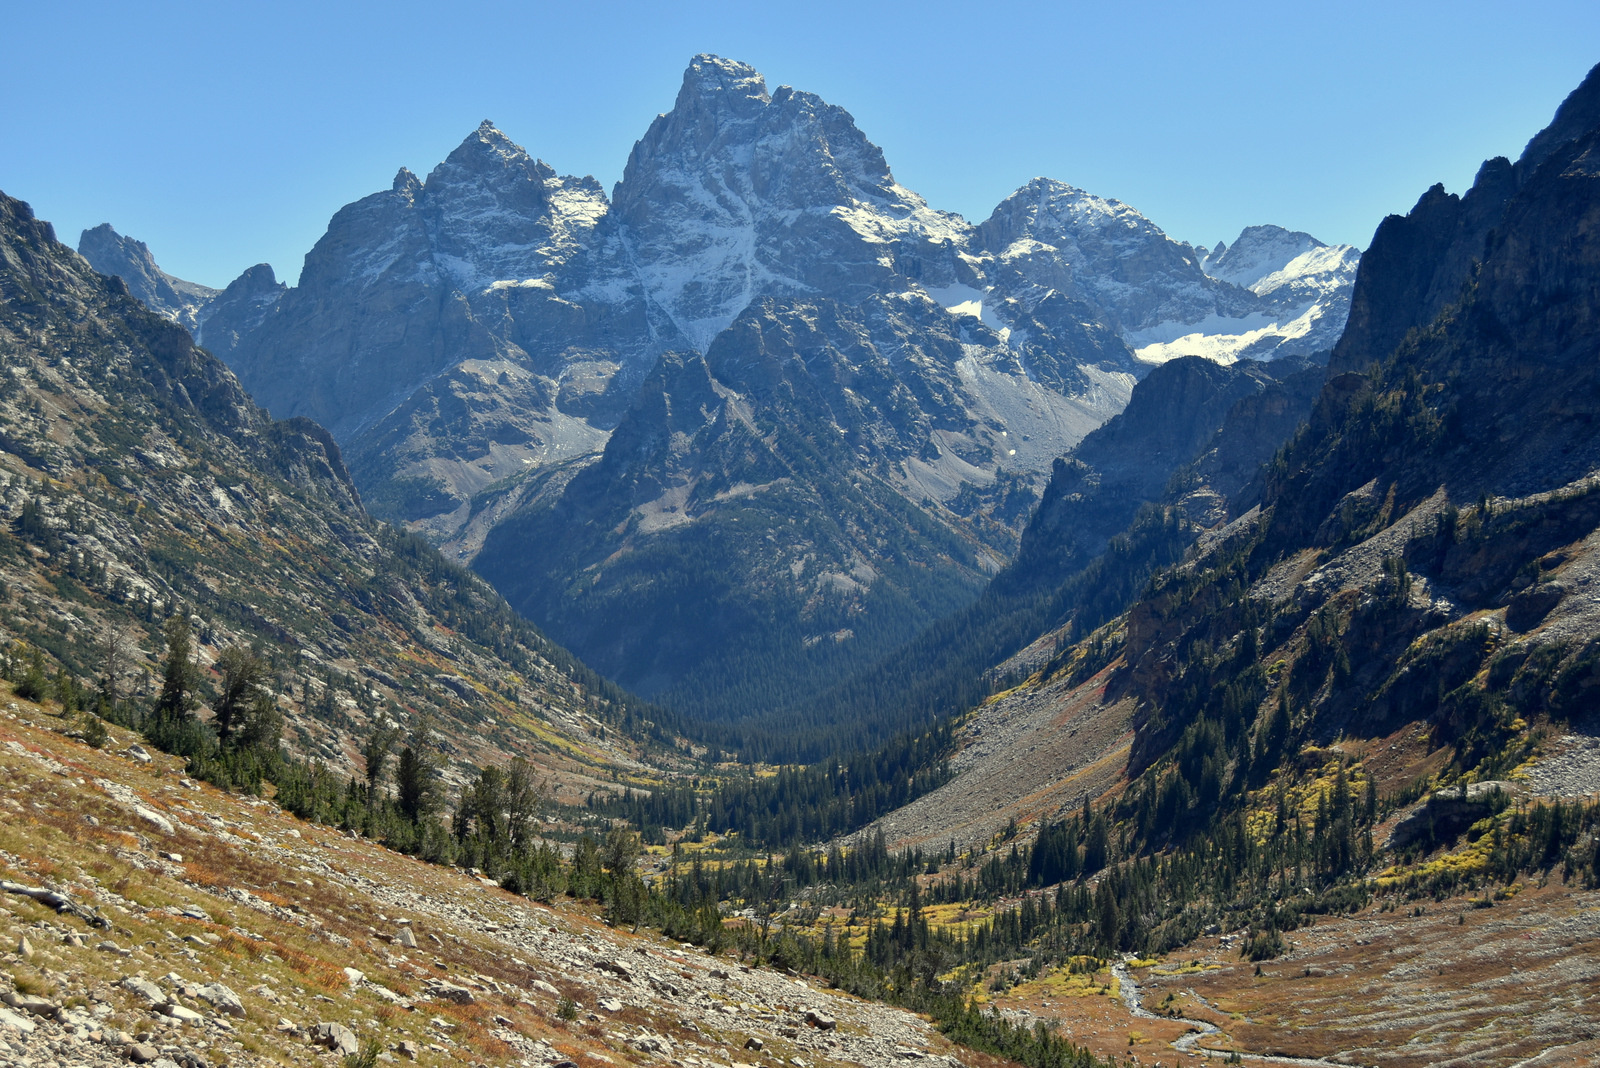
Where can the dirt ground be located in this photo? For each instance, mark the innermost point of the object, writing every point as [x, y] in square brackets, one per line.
[1515, 984]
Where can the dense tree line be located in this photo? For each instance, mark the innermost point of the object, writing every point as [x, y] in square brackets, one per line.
[831, 798]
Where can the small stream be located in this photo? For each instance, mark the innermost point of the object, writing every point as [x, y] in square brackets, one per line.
[1133, 997]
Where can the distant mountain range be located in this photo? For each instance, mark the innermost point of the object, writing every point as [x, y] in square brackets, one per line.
[761, 414]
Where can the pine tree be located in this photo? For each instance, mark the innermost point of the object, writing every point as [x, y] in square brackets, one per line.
[243, 673]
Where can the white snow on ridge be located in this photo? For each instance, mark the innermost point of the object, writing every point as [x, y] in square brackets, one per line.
[1222, 339]
[1327, 269]
[908, 215]
[1266, 258]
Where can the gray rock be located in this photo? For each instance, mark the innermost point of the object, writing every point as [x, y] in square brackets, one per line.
[147, 991]
[452, 992]
[336, 1037]
[1448, 811]
[138, 753]
[31, 1003]
[820, 1020]
[649, 1042]
[154, 819]
[616, 968]
[13, 1022]
[406, 938]
[111, 253]
[143, 1053]
[224, 999]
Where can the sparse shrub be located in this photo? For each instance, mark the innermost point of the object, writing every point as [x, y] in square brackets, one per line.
[31, 984]
[366, 1056]
[94, 731]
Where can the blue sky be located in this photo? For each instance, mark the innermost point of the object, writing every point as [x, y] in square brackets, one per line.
[227, 134]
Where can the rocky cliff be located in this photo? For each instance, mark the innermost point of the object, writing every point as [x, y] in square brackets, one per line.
[112, 254]
[1419, 552]
[138, 480]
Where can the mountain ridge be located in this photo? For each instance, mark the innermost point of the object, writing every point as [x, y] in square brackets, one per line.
[474, 339]
[138, 481]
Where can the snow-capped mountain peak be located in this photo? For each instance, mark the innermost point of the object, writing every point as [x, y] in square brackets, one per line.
[738, 194]
[1258, 251]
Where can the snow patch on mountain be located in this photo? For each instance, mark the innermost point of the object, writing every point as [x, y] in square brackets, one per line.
[1225, 339]
[959, 298]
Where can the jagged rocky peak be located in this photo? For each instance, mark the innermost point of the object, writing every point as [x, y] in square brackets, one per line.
[738, 193]
[1257, 252]
[1274, 293]
[1102, 250]
[1418, 262]
[406, 183]
[240, 308]
[1578, 114]
[489, 158]
[129, 259]
[489, 212]
[1045, 209]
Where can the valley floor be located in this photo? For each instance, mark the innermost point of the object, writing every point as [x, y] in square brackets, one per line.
[1454, 982]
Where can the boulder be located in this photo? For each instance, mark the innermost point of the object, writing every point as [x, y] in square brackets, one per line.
[143, 1053]
[820, 1020]
[12, 1022]
[616, 968]
[452, 992]
[225, 1000]
[406, 938]
[1448, 812]
[31, 1003]
[649, 1042]
[145, 990]
[336, 1037]
[153, 818]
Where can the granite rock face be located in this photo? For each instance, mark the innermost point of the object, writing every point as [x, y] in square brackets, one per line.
[112, 254]
[1419, 262]
[1433, 528]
